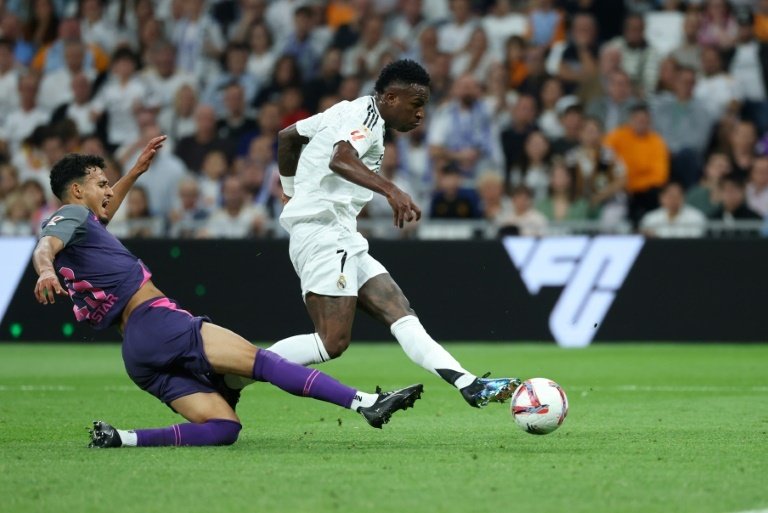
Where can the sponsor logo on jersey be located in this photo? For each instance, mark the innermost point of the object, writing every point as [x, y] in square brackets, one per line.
[592, 270]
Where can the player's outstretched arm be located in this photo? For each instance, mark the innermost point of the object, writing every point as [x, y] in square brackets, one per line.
[289, 143]
[121, 187]
[48, 284]
[346, 162]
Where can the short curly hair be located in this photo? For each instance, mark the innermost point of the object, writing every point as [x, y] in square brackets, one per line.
[404, 71]
[71, 168]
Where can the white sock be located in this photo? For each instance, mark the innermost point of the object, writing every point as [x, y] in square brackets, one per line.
[129, 438]
[362, 400]
[424, 351]
[301, 349]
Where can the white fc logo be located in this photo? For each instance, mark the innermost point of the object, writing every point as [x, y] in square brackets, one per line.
[591, 269]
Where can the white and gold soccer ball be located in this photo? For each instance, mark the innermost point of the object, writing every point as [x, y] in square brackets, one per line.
[539, 406]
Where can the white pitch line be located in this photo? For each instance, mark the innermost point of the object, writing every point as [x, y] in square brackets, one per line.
[669, 388]
[754, 511]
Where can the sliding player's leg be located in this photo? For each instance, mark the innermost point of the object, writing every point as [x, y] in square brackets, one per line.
[383, 299]
[212, 421]
[229, 353]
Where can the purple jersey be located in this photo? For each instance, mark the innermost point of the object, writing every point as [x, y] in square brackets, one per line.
[99, 272]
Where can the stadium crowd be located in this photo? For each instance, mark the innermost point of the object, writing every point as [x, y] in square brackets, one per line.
[647, 113]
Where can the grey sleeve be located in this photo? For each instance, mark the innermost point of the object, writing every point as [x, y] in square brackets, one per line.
[67, 224]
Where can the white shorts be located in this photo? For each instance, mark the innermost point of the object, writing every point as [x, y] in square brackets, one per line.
[330, 260]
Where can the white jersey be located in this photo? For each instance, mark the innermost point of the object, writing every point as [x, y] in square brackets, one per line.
[320, 193]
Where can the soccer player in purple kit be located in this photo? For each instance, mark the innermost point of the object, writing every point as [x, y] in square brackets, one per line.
[181, 359]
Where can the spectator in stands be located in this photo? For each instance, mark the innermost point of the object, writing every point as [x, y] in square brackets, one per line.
[285, 74]
[236, 124]
[119, 99]
[51, 56]
[258, 172]
[734, 206]
[26, 117]
[158, 187]
[326, 82]
[461, 130]
[742, 141]
[190, 216]
[163, 78]
[475, 58]
[761, 20]
[249, 14]
[572, 121]
[451, 200]
[716, 89]
[547, 24]
[577, 64]
[96, 28]
[685, 124]
[407, 24]
[9, 183]
[235, 71]
[549, 117]
[533, 169]
[262, 58]
[198, 39]
[664, 28]
[674, 219]
[612, 108]
[646, 158]
[563, 203]
[17, 220]
[757, 187]
[56, 86]
[600, 177]
[454, 35]
[178, 121]
[9, 78]
[237, 218]
[524, 219]
[302, 44]
[364, 58]
[719, 27]
[137, 222]
[501, 24]
[270, 121]
[688, 54]
[440, 85]
[639, 59]
[414, 164]
[524, 114]
[749, 73]
[705, 195]
[42, 23]
[494, 202]
[515, 62]
[536, 72]
[192, 149]
[215, 168]
[35, 196]
[498, 97]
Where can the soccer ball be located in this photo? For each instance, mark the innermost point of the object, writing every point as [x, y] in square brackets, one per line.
[539, 406]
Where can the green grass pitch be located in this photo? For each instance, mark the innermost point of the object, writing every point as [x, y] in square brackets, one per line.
[652, 428]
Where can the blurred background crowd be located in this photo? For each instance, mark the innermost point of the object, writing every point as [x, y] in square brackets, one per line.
[546, 116]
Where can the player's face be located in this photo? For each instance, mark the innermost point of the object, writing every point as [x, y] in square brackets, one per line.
[95, 192]
[406, 107]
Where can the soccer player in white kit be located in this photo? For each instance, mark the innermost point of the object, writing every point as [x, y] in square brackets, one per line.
[326, 184]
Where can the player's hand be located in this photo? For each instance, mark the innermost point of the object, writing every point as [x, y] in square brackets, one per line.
[148, 154]
[403, 208]
[285, 199]
[47, 287]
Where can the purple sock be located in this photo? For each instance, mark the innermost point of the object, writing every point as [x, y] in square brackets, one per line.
[211, 432]
[299, 380]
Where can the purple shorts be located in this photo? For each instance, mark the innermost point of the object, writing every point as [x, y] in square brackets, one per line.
[163, 353]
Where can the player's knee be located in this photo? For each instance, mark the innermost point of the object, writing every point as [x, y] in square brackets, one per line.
[225, 431]
[336, 344]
